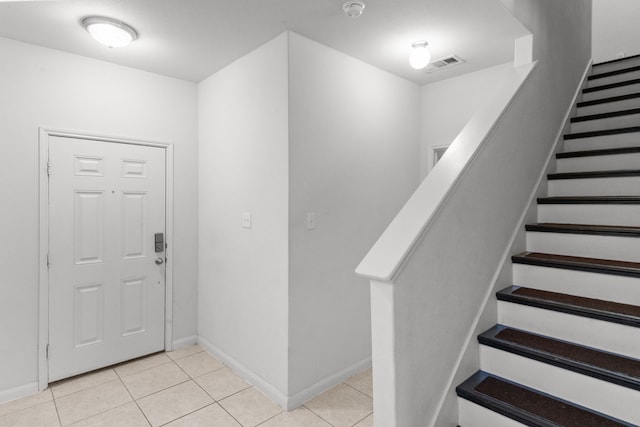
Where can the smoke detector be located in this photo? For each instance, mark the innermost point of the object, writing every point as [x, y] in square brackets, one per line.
[353, 8]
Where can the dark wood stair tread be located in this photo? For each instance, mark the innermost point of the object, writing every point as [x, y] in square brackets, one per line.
[611, 73]
[533, 407]
[605, 132]
[600, 152]
[589, 361]
[621, 173]
[589, 200]
[613, 61]
[602, 230]
[619, 113]
[624, 314]
[594, 265]
[610, 86]
[529, 406]
[608, 100]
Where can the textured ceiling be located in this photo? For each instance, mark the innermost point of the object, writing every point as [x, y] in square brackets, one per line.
[192, 39]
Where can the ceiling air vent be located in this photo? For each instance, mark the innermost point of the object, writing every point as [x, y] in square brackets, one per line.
[441, 63]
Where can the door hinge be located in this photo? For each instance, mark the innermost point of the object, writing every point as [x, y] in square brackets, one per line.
[48, 260]
[48, 168]
[47, 351]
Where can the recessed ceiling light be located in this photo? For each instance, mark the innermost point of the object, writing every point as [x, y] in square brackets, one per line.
[353, 8]
[420, 55]
[109, 32]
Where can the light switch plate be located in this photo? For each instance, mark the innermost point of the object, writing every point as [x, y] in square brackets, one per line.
[246, 219]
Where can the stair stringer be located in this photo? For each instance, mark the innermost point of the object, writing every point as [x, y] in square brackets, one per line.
[468, 360]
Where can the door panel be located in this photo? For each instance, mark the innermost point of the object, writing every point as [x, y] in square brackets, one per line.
[88, 316]
[134, 302]
[134, 225]
[106, 293]
[88, 233]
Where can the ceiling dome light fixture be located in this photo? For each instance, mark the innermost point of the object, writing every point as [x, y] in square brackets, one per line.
[420, 55]
[109, 32]
[353, 8]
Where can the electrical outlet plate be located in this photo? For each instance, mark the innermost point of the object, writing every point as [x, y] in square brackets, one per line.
[311, 220]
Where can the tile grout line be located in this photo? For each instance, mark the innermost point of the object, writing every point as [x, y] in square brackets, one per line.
[359, 391]
[186, 415]
[364, 394]
[217, 402]
[190, 378]
[184, 357]
[134, 400]
[231, 415]
[318, 415]
[31, 406]
[350, 386]
[114, 367]
[361, 419]
[98, 413]
[270, 418]
[55, 405]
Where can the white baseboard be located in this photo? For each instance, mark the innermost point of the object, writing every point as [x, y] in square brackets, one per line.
[18, 392]
[321, 386]
[248, 375]
[286, 402]
[184, 342]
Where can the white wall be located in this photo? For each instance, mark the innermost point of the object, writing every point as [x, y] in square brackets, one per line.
[448, 105]
[44, 87]
[615, 29]
[296, 127]
[353, 160]
[243, 165]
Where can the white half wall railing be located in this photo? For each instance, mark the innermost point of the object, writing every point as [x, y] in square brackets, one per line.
[393, 248]
[400, 255]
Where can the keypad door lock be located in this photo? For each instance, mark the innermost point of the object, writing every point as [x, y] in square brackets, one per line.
[159, 239]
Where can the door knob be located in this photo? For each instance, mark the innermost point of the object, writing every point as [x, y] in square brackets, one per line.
[159, 261]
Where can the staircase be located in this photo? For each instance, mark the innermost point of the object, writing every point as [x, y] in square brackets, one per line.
[566, 351]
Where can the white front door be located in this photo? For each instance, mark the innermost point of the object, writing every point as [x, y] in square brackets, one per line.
[106, 280]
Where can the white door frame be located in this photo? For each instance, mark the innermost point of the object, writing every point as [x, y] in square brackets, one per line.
[43, 299]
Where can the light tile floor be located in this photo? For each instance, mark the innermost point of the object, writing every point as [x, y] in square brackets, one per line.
[183, 388]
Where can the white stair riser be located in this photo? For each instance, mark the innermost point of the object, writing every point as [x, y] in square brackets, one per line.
[607, 107]
[602, 396]
[629, 120]
[608, 336]
[616, 78]
[613, 66]
[621, 289]
[608, 93]
[473, 415]
[590, 214]
[585, 245]
[595, 163]
[621, 140]
[618, 186]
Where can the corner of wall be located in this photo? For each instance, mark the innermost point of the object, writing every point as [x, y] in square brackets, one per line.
[243, 168]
